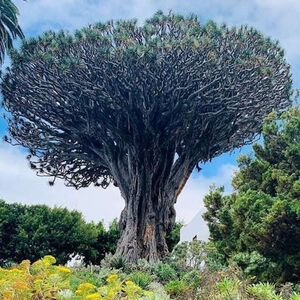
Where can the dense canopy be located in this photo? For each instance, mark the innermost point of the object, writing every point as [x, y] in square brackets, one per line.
[202, 89]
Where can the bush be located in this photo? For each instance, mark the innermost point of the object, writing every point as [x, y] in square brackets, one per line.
[44, 280]
[142, 279]
[193, 278]
[263, 291]
[195, 255]
[37, 230]
[165, 272]
[114, 262]
[177, 288]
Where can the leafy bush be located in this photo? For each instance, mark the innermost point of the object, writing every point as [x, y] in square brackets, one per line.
[177, 288]
[114, 262]
[165, 272]
[193, 278]
[195, 255]
[44, 280]
[34, 231]
[173, 238]
[263, 291]
[142, 279]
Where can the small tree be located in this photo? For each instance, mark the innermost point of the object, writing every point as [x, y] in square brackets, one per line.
[140, 107]
[259, 225]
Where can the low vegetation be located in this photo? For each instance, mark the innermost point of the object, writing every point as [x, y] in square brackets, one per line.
[170, 279]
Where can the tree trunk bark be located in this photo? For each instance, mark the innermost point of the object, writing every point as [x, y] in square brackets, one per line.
[150, 188]
[146, 219]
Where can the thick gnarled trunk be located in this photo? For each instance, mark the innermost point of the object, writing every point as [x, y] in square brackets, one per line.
[150, 189]
[145, 221]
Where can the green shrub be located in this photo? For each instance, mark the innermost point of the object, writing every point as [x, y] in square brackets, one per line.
[142, 279]
[165, 272]
[263, 291]
[193, 278]
[229, 288]
[177, 288]
[114, 262]
[255, 265]
[258, 225]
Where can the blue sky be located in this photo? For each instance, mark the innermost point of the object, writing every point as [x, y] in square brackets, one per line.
[276, 18]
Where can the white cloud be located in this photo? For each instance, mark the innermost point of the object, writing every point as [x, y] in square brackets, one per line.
[190, 202]
[20, 184]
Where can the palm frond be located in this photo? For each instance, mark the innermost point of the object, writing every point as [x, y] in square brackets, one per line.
[9, 26]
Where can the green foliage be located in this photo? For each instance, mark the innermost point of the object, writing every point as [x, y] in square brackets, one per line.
[176, 288]
[106, 241]
[258, 226]
[142, 279]
[226, 284]
[263, 291]
[165, 272]
[192, 278]
[173, 238]
[9, 26]
[255, 263]
[114, 262]
[35, 231]
[229, 288]
[193, 255]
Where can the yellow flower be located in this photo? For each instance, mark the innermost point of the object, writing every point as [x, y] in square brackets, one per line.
[63, 269]
[49, 260]
[95, 296]
[112, 278]
[84, 288]
[129, 282]
[15, 272]
[78, 292]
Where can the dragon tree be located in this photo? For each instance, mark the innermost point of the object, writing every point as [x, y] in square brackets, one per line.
[140, 107]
